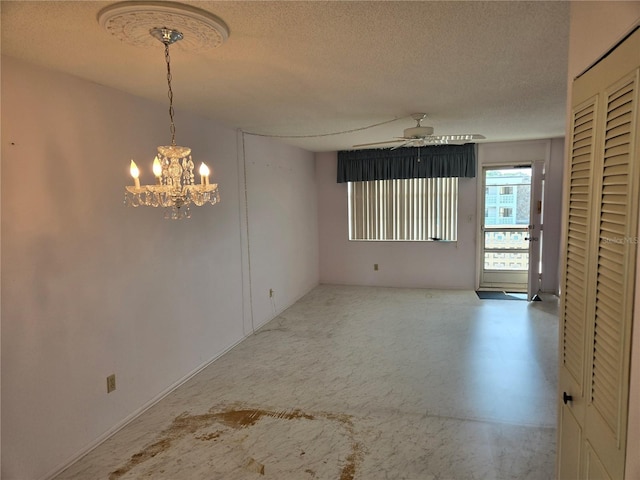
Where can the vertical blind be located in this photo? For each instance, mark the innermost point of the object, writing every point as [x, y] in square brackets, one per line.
[409, 209]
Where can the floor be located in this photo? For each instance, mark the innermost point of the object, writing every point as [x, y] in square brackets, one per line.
[355, 383]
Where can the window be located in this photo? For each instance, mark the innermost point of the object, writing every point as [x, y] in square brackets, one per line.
[414, 209]
[506, 190]
[506, 212]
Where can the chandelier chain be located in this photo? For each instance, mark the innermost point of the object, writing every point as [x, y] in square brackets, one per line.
[172, 127]
[174, 188]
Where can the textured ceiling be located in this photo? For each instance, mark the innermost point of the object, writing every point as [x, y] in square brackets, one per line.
[316, 67]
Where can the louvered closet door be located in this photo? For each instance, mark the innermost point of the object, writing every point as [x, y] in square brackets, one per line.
[613, 283]
[601, 223]
[574, 285]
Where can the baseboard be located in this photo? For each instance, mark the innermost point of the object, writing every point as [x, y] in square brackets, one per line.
[120, 425]
[279, 311]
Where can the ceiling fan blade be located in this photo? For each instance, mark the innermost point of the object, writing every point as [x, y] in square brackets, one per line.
[378, 143]
[427, 140]
[458, 138]
[408, 142]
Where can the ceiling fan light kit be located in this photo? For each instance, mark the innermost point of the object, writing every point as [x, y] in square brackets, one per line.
[418, 131]
[420, 136]
[139, 23]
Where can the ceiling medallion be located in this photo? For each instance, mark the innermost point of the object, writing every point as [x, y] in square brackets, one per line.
[131, 23]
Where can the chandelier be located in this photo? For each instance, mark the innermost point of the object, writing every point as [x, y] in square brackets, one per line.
[175, 188]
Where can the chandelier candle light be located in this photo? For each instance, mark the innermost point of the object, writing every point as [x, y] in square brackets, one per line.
[175, 188]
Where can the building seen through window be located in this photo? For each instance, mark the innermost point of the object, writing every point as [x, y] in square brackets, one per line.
[507, 204]
[507, 197]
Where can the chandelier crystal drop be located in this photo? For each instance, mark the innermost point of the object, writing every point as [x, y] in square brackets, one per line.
[175, 188]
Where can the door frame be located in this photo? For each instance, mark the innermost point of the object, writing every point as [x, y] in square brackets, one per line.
[508, 280]
[528, 152]
[536, 230]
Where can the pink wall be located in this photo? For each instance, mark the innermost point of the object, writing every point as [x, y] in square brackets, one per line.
[424, 264]
[401, 264]
[91, 288]
[595, 28]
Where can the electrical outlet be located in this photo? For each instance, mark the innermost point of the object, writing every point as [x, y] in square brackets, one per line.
[375, 267]
[111, 383]
[270, 292]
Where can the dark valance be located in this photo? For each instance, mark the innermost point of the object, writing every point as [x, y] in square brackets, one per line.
[411, 162]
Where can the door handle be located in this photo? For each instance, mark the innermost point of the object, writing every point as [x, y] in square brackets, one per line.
[566, 398]
[531, 239]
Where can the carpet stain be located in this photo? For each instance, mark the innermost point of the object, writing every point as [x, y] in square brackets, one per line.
[357, 451]
[209, 436]
[149, 452]
[254, 466]
[246, 418]
[238, 418]
[353, 460]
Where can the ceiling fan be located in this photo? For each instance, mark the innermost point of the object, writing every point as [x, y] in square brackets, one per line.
[420, 136]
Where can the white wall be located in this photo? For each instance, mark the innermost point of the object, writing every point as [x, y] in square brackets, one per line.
[283, 225]
[427, 264]
[551, 248]
[595, 28]
[91, 288]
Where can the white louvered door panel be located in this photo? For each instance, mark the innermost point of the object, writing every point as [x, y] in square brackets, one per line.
[578, 200]
[575, 278]
[615, 257]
